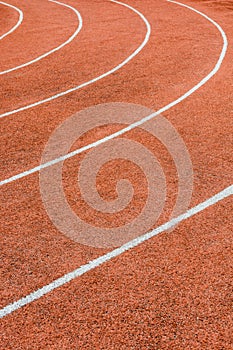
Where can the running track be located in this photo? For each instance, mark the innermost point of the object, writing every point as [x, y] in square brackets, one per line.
[174, 291]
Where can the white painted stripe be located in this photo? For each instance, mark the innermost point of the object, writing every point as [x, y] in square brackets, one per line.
[113, 254]
[71, 38]
[129, 58]
[140, 122]
[20, 19]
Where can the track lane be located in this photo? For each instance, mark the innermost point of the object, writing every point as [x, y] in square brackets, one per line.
[20, 20]
[106, 49]
[37, 34]
[59, 337]
[54, 49]
[188, 70]
[17, 211]
[174, 290]
[111, 71]
[28, 195]
[227, 192]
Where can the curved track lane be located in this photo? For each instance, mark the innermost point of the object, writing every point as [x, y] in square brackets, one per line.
[94, 80]
[20, 20]
[172, 291]
[138, 123]
[69, 40]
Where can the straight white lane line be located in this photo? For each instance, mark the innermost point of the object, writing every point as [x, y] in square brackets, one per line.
[17, 24]
[140, 122]
[56, 48]
[113, 254]
[113, 70]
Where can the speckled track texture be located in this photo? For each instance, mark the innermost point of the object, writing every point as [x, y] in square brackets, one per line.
[174, 291]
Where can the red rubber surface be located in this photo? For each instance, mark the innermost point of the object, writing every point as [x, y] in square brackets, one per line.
[174, 291]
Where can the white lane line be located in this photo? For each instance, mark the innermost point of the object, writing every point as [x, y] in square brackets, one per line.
[113, 254]
[71, 38]
[17, 24]
[129, 58]
[140, 122]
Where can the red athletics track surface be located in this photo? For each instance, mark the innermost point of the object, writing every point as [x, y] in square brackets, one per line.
[175, 290]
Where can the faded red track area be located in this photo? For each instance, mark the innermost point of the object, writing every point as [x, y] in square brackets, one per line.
[175, 290]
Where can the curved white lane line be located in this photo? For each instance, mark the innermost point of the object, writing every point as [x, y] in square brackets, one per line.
[129, 58]
[56, 48]
[37, 294]
[140, 122]
[17, 24]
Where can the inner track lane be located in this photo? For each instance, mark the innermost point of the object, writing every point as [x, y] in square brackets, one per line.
[69, 40]
[20, 20]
